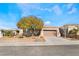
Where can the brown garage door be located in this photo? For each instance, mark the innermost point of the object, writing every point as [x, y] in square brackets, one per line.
[50, 33]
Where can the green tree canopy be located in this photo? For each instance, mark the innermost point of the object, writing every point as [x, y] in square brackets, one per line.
[30, 22]
[23, 23]
[35, 22]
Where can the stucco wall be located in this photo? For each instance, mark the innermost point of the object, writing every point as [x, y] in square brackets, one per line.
[53, 29]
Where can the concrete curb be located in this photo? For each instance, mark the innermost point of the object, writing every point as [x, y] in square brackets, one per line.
[35, 44]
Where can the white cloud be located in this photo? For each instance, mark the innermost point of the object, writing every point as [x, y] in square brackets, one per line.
[73, 10]
[57, 10]
[26, 8]
[43, 9]
[23, 8]
[69, 5]
[47, 23]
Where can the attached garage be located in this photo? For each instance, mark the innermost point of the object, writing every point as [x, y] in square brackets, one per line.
[50, 33]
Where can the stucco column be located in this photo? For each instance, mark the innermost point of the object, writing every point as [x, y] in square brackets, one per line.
[42, 38]
[58, 33]
[20, 32]
[41, 34]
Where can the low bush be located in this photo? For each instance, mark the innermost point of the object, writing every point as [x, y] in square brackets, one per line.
[8, 33]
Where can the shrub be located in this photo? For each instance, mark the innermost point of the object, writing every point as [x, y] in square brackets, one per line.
[8, 33]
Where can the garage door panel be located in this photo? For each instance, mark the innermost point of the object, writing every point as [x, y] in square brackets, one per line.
[50, 33]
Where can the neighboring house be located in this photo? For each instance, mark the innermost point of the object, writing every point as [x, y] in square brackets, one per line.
[64, 30]
[78, 33]
[71, 26]
[1, 35]
[13, 31]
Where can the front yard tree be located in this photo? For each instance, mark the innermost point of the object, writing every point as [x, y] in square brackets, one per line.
[36, 25]
[32, 23]
[23, 24]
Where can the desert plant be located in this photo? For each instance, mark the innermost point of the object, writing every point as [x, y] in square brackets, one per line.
[8, 33]
[73, 33]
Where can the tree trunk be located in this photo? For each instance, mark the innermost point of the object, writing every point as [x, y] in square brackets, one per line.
[24, 31]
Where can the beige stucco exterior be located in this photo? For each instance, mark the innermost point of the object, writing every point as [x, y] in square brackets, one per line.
[51, 31]
[78, 33]
[71, 28]
[1, 35]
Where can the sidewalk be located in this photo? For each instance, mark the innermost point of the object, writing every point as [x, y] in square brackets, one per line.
[49, 41]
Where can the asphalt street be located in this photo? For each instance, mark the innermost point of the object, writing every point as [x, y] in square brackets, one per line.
[52, 50]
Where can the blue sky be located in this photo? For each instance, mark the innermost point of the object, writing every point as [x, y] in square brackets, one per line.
[51, 13]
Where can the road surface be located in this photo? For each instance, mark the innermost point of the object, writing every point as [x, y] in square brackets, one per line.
[52, 50]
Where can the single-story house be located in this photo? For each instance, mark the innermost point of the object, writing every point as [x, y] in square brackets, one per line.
[71, 26]
[48, 31]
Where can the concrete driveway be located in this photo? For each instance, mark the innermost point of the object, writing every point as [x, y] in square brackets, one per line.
[48, 41]
[61, 41]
